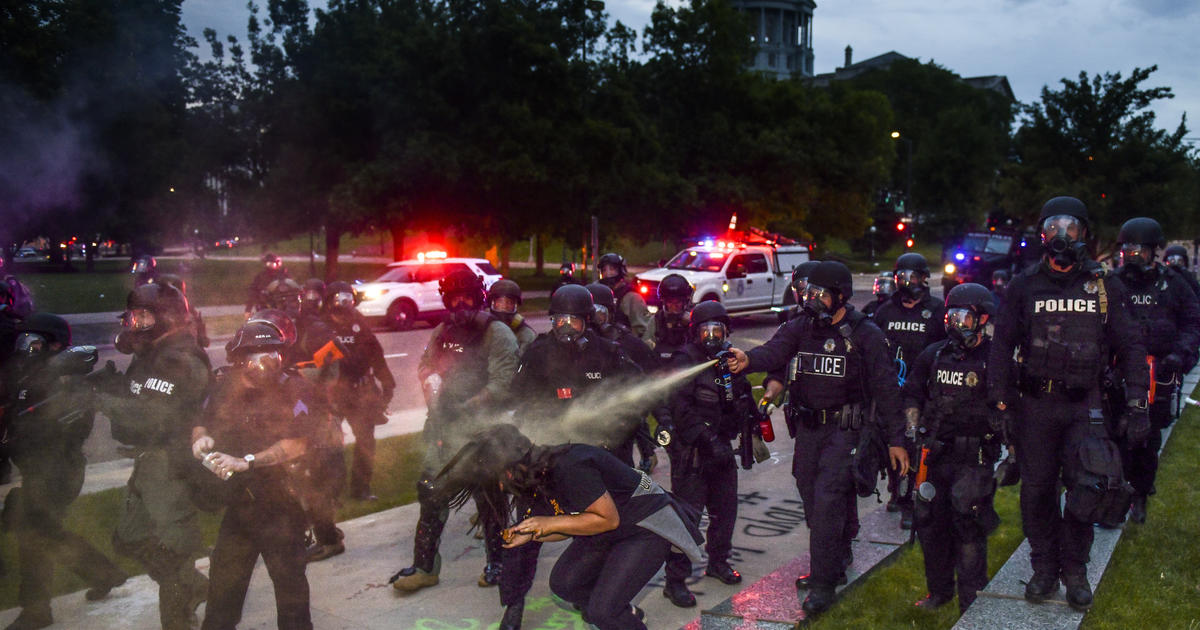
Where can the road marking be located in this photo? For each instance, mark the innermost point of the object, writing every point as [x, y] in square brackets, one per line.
[398, 354]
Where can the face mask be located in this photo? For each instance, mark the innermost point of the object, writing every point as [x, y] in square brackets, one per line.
[910, 284]
[713, 336]
[820, 303]
[1136, 256]
[566, 328]
[1062, 240]
[884, 287]
[463, 308]
[798, 289]
[600, 317]
[30, 344]
[962, 326]
[262, 367]
[1177, 261]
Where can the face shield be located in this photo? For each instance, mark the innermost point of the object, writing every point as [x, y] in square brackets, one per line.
[30, 344]
[601, 317]
[311, 299]
[799, 287]
[1178, 261]
[819, 302]
[274, 265]
[140, 266]
[504, 305]
[674, 306]
[884, 286]
[910, 283]
[1062, 239]
[139, 320]
[566, 328]
[261, 367]
[962, 324]
[1136, 255]
[713, 335]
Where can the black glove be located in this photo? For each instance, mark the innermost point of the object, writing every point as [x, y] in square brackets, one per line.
[1168, 366]
[1135, 425]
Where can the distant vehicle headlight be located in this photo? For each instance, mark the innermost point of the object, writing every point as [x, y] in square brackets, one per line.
[950, 268]
[374, 293]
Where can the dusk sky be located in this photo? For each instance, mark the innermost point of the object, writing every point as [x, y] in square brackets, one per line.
[1033, 42]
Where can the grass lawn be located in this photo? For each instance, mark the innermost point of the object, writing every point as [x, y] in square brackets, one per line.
[94, 516]
[1153, 580]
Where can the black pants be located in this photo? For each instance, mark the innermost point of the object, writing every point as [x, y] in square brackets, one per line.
[821, 466]
[601, 575]
[949, 541]
[1049, 431]
[1140, 462]
[325, 479]
[520, 566]
[712, 487]
[431, 521]
[250, 529]
[362, 425]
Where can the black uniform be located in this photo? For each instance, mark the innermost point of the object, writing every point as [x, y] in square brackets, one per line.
[1169, 317]
[1066, 326]
[264, 516]
[873, 306]
[839, 371]
[361, 394]
[949, 385]
[703, 469]
[648, 360]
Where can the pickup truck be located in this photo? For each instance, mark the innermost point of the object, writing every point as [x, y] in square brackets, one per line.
[748, 278]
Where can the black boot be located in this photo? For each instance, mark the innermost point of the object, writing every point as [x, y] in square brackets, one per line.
[1041, 586]
[678, 593]
[933, 602]
[512, 616]
[818, 601]
[803, 580]
[1137, 509]
[1079, 592]
[722, 571]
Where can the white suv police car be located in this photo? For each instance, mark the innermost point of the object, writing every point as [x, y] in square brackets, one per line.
[408, 291]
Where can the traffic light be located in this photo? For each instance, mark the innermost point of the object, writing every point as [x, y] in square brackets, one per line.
[908, 243]
[899, 226]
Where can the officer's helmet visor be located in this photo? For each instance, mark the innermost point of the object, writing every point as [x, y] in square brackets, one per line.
[818, 294]
[343, 299]
[140, 266]
[610, 271]
[566, 270]
[30, 344]
[884, 286]
[963, 319]
[1177, 260]
[270, 362]
[285, 300]
[1063, 226]
[909, 278]
[800, 286]
[674, 306]
[312, 296]
[139, 319]
[274, 264]
[1136, 253]
[461, 301]
[712, 333]
[566, 326]
[601, 315]
[504, 304]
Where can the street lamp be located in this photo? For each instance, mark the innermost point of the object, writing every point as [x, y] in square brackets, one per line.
[908, 183]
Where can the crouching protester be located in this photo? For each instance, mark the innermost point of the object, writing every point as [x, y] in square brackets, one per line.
[620, 522]
[257, 420]
[958, 442]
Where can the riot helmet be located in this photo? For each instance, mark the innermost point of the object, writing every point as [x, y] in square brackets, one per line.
[799, 282]
[272, 261]
[173, 280]
[1177, 257]
[256, 352]
[675, 295]
[884, 286]
[42, 333]
[604, 304]
[503, 299]
[968, 307]
[567, 271]
[1063, 222]
[151, 311]
[710, 327]
[1138, 239]
[830, 287]
[571, 307]
[142, 265]
[612, 269]
[313, 296]
[284, 294]
[280, 320]
[463, 295]
[911, 276]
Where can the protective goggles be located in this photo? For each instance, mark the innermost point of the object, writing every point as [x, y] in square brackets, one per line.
[262, 362]
[884, 286]
[30, 344]
[908, 278]
[1136, 252]
[600, 316]
[139, 319]
[1062, 226]
[343, 299]
[963, 319]
[712, 332]
[1177, 260]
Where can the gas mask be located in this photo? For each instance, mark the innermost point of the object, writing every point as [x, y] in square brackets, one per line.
[30, 344]
[504, 308]
[1177, 261]
[139, 328]
[291, 302]
[910, 283]
[261, 368]
[601, 318]
[799, 287]
[310, 302]
[963, 326]
[713, 337]
[567, 328]
[463, 308]
[884, 287]
[610, 276]
[1136, 256]
[673, 310]
[999, 285]
[1062, 240]
[821, 303]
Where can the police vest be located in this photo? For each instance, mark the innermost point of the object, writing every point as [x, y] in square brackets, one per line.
[1065, 339]
[957, 389]
[1155, 308]
[909, 330]
[620, 291]
[459, 356]
[827, 370]
[668, 339]
[708, 400]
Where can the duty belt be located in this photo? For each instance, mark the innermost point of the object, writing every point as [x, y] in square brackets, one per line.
[1040, 386]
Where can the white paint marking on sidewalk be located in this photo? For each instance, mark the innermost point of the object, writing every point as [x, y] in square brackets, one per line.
[398, 354]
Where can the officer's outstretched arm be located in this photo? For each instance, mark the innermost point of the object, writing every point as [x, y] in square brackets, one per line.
[776, 352]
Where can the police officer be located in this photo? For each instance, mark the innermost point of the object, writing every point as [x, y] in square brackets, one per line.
[273, 270]
[256, 421]
[312, 298]
[466, 372]
[151, 417]
[1169, 315]
[1176, 257]
[912, 320]
[638, 352]
[796, 286]
[503, 299]
[194, 317]
[703, 470]
[364, 386]
[144, 269]
[631, 308]
[883, 288]
[570, 364]
[958, 447]
[1000, 280]
[49, 418]
[842, 366]
[1066, 317]
[671, 320]
[566, 275]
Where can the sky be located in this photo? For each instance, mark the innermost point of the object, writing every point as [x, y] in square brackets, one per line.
[1035, 43]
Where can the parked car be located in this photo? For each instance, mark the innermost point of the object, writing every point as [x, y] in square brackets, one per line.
[408, 291]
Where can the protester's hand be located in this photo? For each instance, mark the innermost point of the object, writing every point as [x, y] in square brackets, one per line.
[899, 457]
[535, 526]
[513, 539]
[202, 446]
[738, 361]
[224, 465]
